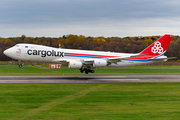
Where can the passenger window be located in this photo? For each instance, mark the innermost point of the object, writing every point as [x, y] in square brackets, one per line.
[17, 45]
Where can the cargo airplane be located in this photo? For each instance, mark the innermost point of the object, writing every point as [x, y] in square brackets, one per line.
[86, 60]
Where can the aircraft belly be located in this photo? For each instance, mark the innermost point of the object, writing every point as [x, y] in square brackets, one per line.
[132, 63]
[127, 64]
[37, 58]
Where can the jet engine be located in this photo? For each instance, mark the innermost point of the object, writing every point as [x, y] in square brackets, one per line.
[100, 63]
[75, 64]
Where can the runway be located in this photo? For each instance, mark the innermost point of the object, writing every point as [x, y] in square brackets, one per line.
[88, 78]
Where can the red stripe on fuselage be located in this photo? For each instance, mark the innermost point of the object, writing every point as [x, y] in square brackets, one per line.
[91, 55]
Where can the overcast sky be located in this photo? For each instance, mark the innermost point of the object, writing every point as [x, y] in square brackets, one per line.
[108, 18]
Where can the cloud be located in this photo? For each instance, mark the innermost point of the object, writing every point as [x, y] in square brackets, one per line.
[92, 16]
[19, 11]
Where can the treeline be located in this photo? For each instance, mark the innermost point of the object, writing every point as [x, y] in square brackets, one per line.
[113, 44]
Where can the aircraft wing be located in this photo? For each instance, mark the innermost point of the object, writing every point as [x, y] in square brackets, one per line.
[118, 59]
[91, 61]
[84, 61]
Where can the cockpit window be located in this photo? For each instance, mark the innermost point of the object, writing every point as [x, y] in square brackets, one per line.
[17, 45]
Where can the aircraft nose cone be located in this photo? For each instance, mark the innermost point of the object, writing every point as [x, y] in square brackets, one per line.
[5, 52]
[8, 52]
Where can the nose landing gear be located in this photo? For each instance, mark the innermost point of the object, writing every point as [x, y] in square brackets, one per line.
[20, 64]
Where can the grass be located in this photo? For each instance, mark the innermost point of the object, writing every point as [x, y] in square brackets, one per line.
[96, 101]
[36, 70]
[125, 101]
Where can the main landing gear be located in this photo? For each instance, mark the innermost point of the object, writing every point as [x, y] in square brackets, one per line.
[86, 70]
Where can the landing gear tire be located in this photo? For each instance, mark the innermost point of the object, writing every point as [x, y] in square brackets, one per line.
[20, 65]
[92, 71]
[86, 72]
[81, 71]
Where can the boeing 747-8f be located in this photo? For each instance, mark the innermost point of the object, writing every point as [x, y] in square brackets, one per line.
[85, 60]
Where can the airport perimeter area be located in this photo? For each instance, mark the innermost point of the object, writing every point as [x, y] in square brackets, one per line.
[91, 101]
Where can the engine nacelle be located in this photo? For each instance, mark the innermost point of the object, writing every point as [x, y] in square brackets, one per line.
[100, 63]
[75, 65]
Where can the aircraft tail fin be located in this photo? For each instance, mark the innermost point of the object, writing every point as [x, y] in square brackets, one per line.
[159, 47]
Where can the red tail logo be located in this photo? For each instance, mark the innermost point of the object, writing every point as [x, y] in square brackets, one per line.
[157, 48]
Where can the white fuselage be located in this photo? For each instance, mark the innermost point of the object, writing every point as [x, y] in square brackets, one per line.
[45, 54]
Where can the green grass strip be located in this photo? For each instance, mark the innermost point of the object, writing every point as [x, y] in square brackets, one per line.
[127, 101]
[44, 70]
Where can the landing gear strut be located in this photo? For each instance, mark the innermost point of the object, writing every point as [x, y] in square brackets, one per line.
[20, 64]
